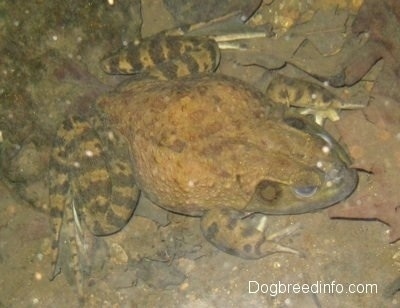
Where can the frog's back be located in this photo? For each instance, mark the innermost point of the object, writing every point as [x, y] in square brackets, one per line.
[186, 137]
[208, 141]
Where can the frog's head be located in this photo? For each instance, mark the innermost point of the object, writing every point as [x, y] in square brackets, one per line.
[321, 174]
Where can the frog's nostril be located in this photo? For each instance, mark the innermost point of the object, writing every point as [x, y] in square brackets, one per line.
[305, 191]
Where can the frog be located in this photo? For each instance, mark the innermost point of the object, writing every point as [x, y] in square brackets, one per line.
[194, 142]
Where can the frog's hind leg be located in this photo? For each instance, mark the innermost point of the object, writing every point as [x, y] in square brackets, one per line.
[105, 184]
[242, 235]
[91, 186]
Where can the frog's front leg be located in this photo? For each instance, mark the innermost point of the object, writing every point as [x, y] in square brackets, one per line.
[164, 57]
[242, 235]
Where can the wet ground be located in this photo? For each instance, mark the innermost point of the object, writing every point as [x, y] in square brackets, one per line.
[160, 258]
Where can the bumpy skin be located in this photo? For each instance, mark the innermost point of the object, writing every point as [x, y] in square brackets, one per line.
[205, 145]
[200, 143]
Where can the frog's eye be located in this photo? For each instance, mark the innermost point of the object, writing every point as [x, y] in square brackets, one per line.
[305, 191]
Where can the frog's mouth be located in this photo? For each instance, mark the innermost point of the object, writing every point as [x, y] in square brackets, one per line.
[318, 187]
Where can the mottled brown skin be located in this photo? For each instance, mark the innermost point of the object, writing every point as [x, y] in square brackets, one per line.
[203, 145]
[207, 142]
[212, 146]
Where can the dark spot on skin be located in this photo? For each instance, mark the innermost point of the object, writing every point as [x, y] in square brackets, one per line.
[247, 248]
[167, 69]
[283, 94]
[116, 221]
[212, 230]
[174, 46]
[121, 166]
[232, 222]
[94, 188]
[156, 51]
[190, 63]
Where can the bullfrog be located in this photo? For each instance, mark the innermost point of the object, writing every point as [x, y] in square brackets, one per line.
[194, 142]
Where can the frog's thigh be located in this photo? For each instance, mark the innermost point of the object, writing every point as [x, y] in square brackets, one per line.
[104, 185]
[107, 201]
[239, 234]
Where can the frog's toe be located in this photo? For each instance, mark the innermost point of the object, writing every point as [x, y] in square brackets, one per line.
[242, 235]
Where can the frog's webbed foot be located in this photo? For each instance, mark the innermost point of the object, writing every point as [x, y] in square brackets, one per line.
[243, 235]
